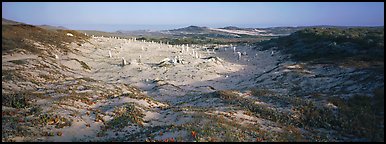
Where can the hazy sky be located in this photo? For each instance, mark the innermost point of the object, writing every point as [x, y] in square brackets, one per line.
[212, 14]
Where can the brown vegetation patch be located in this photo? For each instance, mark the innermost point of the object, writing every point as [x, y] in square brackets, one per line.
[14, 38]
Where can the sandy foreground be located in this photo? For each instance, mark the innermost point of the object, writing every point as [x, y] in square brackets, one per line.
[172, 101]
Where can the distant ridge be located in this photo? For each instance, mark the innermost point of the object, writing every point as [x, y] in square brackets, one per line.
[53, 27]
[192, 29]
[49, 27]
[9, 22]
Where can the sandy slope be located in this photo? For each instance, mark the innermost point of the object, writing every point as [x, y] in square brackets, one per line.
[176, 99]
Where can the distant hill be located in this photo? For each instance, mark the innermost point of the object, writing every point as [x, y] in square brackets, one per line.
[232, 28]
[225, 32]
[53, 27]
[271, 31]
[237, 32]
[191, 29]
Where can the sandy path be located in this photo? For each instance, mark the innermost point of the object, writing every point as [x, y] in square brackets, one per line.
[194, 73]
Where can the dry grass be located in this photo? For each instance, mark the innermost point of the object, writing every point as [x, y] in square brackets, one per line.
[19, 99]
[261, 92]
[50, 119]
[359, 116]
[14, 38]
[124, 114]
[19, 62]
[259, 111]
[84, 65]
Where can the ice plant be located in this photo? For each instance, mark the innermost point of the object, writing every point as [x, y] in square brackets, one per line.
[259, 139]
[194, 134]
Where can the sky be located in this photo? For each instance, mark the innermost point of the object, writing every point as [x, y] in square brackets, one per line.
[167, 15]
